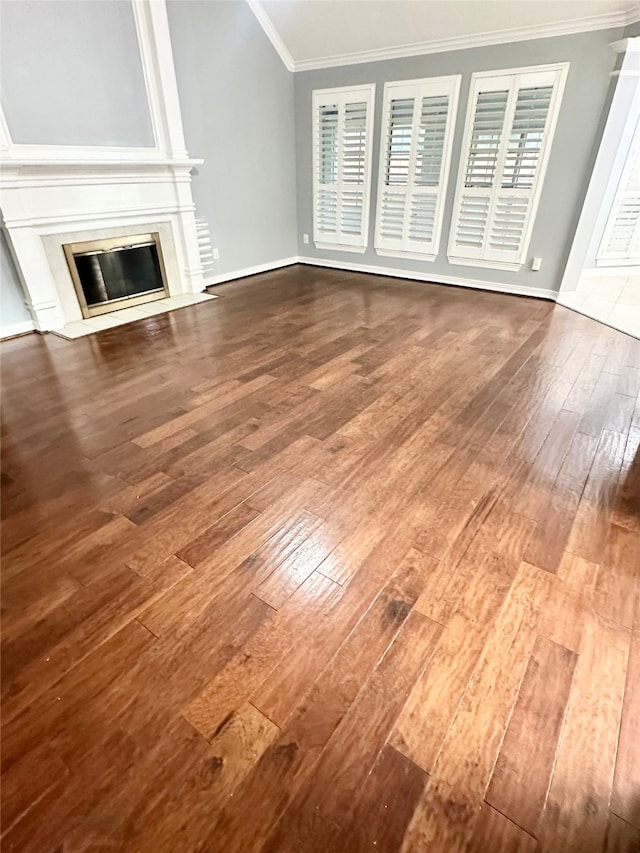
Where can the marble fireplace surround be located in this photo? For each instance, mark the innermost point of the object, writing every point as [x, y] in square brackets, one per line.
[56, 194]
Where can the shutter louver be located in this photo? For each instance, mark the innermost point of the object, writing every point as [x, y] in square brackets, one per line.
[205, 249]
[509, 220]
[416, 148]
[525, 139]
[486, 135]
[621, 240]
[398, 155]
[480, 170]
[342, 129]
[353, 167]
[472, 221]
[506, 144]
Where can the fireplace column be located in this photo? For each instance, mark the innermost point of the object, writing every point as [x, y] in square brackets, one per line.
[38, 285]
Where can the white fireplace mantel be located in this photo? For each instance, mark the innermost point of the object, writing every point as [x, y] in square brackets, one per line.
[54, 194]
[45, 205]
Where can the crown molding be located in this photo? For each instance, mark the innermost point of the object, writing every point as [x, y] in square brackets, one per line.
[272, 34]
[559, 28]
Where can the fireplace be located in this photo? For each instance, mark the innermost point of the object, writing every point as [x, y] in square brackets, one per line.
[118, 272]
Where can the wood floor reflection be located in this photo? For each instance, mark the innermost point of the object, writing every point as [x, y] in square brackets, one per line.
[332, 563]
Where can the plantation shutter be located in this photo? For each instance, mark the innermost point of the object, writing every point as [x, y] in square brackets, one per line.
[621, 239]
[507, 141]
[417, 135]
[342, 166]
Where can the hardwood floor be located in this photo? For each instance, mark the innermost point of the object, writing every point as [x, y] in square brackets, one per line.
[333, 563]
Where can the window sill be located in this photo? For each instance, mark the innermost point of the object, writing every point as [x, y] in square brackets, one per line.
[411, 256]
[508, 266]
[340, 247]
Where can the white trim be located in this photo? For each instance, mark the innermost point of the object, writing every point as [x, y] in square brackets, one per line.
[416, 91]
[40, 173]
[413, 256]
[88, 155]
[341, 97]
[13, 329]
[614, 146]
[272, 34]
[580, 25]
[156, 56]
[154, 40]
[507, 266]
[50, 223]
[230, 276]
[348, 266]
[329, 92]
[5, 136]
[623, 268]
[626, 45]
[512, 79]
[549, 68]
[626, 190]
[607, 263]
[339, 247]
[514, 289]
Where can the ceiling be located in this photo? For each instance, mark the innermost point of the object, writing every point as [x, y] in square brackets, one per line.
[321, 33]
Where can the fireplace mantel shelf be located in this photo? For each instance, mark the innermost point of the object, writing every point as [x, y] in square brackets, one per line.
[103, 163]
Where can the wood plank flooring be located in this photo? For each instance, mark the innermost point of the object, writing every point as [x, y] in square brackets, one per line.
[333, 563]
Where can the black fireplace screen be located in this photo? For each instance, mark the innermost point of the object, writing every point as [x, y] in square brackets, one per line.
[121, 273]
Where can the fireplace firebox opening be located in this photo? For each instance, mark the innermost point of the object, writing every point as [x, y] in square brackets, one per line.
[117, 272]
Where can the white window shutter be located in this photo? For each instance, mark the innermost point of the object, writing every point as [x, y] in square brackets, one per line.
[506, 146]
[342, 121]
[620, 244]
[415, 152]
[480, 168]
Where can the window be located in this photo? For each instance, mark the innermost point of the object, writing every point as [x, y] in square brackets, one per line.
[415, 150]
[342, 120]
[510, 125]
[620, 244]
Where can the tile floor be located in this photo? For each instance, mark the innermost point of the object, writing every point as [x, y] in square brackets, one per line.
[612, 299]
[80, 328]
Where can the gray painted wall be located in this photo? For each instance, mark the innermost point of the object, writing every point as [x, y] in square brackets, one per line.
[578, 132]
[71, 73]
[237, 105]
[12, 307]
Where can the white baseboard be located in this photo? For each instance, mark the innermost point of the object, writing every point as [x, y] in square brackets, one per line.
[515, 289]
[13, 329]
[230, 276]
[349, 266]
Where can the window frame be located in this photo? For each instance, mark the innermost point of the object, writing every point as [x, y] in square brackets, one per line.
[605, 257]
[417, 89]
[342, 95]
[514, 79]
